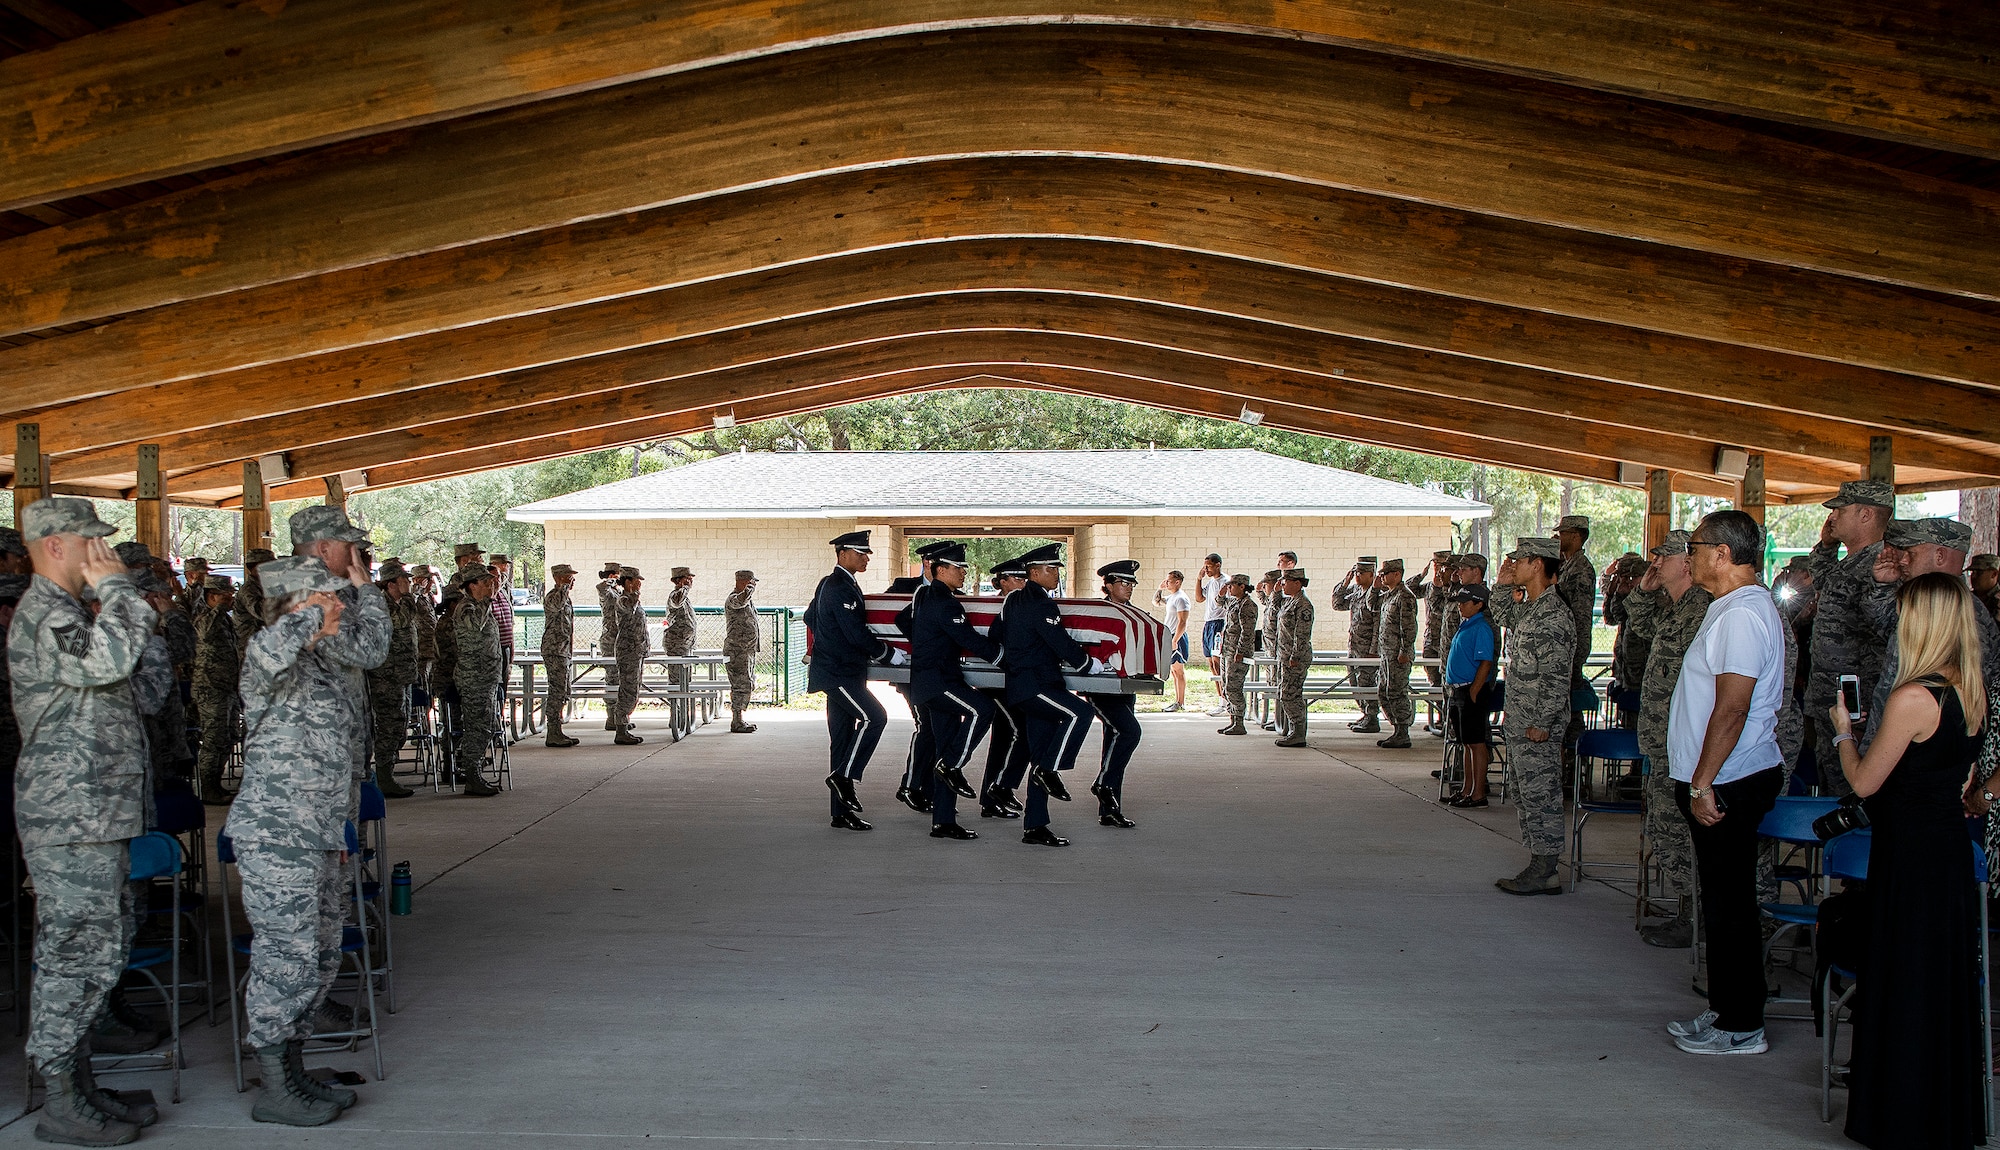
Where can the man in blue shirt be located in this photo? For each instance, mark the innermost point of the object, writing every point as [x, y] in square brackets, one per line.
[1468, 676]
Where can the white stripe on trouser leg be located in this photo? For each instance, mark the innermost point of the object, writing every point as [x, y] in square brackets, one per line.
[972, 728]
[861, 720]
[1110, 740]
[1069, 725]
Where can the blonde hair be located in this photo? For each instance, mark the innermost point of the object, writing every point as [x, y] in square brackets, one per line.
[1936, 634]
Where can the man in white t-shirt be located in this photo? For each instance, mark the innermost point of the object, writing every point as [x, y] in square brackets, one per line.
[1177, 607]
[1722, 745]
[1208, 596]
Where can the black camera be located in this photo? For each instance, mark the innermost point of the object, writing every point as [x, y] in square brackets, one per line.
[1850, 815]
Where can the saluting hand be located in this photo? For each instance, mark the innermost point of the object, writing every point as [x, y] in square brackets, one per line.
[100, 562]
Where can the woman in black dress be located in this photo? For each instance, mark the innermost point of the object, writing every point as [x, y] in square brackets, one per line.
[1915, 1077]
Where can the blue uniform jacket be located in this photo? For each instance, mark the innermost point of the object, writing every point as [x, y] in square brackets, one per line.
[938, 631]
[1035, 649]
[842, 644]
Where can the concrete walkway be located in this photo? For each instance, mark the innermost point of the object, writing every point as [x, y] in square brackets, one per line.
[1293, 949]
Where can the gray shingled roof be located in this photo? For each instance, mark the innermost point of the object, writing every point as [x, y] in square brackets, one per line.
[845, 484]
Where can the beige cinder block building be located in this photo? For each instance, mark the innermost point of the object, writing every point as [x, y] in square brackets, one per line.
[1167, 509]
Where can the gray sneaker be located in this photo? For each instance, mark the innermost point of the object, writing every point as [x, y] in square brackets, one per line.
[1692, 1026]
[1713, 1041]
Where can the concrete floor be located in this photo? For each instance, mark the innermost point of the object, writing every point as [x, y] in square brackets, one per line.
[1293, 949]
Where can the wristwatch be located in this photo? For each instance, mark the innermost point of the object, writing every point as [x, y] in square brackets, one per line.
[1700, 792]
[1990, 798]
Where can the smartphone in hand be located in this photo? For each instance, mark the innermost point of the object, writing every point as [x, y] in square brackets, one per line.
[1850, 695]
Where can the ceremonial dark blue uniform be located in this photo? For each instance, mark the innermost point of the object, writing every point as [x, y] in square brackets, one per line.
[1037, 652]
[957, 715]
[843, 648]
[1121, 725]
[915, 791]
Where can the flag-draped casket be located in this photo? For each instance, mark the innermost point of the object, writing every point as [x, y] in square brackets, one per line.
[1130, 643]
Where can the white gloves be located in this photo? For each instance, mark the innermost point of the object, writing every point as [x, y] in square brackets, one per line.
[897, 658]
[1097, 666]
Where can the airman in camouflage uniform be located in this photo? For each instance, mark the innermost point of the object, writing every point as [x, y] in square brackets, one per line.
[1433, 587]
[1578, 586]
[633, 647]
[1846, 639]
[1237, 646]
[1914, 547]
[287, 828]
[1983, 572]
[12, 587]
[423, 588]
[79, 798]
[741, 640]
[389, 684]
[1357, 595]
[249, 614]
[1664, 612]
[14, 554]
[677, 633]
[1274, 606]
[216, 671]
[607, 638]
[1540, 661]
[1294, 652]
[476, 673]
[558, 640]
[363, 640]
[1620, 579]
[1396, 642]
[194, 588]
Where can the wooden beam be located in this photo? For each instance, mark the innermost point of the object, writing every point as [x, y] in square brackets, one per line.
[153, 98]
[1083, 270]
[1547, 154]
[1659, 507]
[29, 473]
[1529, 270]
[149, 502]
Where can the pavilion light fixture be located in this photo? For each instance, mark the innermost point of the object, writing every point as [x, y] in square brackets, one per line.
[1731, 462]
[1250, 415]
[353, 480]
[277, 467]
[725, 419]
[1631, 475]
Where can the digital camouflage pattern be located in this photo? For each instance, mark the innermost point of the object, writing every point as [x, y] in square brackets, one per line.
[1577, 584]
[1846, 640]
[1667, 627]
[558, 640]
[83, 916]
[10, 731]
[1294, 653]
[1436, 598]
[388, 684]
[296, 739]
[1539, 659]
[1628, 650]
[1237, 646]
[677, 636]
[217, 669]
[608, 591]
[1396, 636]
[158, 698]
[476, 673]
[283, 888]
[1364, 627]
[742, 639]
[249, 614]
[82, 770]
[633, 646]
[1883, 614]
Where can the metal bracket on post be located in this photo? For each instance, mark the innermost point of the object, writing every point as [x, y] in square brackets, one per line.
[30, 467]
[1882, 458]
[1752, 502]
[1659, 507]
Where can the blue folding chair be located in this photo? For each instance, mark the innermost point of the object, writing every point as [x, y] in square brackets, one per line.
[1789, 822]
[1600, 745]
[373, 825]
[156, 855]
[180, 813]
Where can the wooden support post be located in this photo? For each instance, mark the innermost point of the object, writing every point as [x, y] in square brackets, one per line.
[29, 475]
[1882, 458]
[1752, 496]
[336, 492]
[256, 509]
[149, 503]
[1980, 508]
[1659, 507]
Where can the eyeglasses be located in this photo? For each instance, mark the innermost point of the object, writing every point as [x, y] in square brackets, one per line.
[1702, 543]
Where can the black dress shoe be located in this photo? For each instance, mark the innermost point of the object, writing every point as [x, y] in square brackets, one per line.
[848, 822]
[952, 831]
[989, 811]
[845, 790]
[912, 800]
[1007, 801]
[957, 781]
[1044, 837]
[1097, 789]
[1115, 819]
[1052, 784]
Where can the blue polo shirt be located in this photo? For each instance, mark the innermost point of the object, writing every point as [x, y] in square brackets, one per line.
[1471, 646]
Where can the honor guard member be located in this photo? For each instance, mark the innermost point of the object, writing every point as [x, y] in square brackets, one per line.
[1119, 712]
[1294, 652]
[1360, 598]
[1845, 640]
[842, 649]
[741, 640]
[1541, 653]
[1433, 588]
[1007, 749]
[1239, 644]
[607, 637]
[79, 800]
[633, 647]
[14, 558]
[914, 789]
[1984, 574]
[1036, 651]
[362, 642]
[476, 671]
[287, 829]
[1396, 641]
[558, 638]
[389, 684]
[677, 633]
[956, 715]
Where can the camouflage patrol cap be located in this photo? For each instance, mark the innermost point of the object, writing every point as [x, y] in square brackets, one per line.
[608, 570]
[561, 569]
[1981, 563]
[12, 587]
[1804, 562]
[10, 542]
[218, 585]
[422, 570]
[150, 584]
[1946, 533]
[1872, 492]
[1470, 561]
[629, 573]
[1573, 523]
[390, 571]
[1274, 575]
[133, 553]
[1241, 579]
[1676, 543]
[1395, 565]
[324, 521]
[1538, 547]
[62, 515]
[256, 555]
[1298, 573]
[297, 573]
[681, 573]
[464, 549]
[496, 560]
[746, 573]
[1365, 563]
[1446, 556]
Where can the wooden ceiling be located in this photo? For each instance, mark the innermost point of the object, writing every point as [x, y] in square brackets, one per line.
[417, 240]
